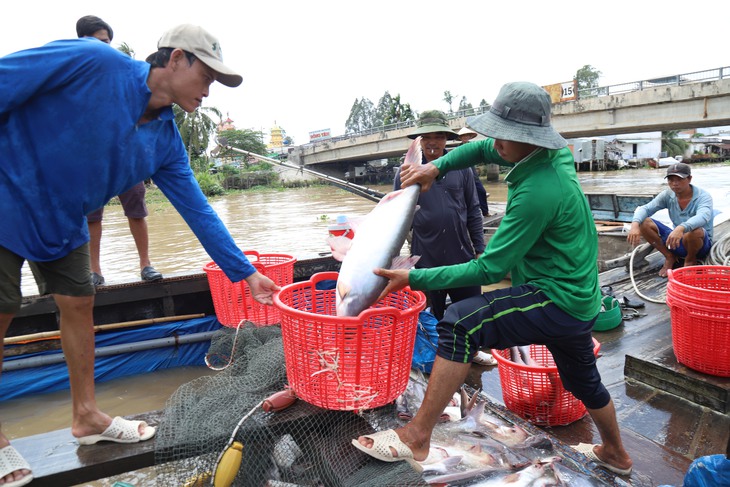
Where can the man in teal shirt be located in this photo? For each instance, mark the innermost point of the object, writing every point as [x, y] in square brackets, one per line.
[547, 241]
[691, 213]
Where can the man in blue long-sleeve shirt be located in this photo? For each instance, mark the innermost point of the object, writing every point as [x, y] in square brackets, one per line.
[80, 123]
[690, 209]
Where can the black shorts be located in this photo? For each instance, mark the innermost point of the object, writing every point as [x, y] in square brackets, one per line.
[524, 315]
[132, 201]
[68, 276]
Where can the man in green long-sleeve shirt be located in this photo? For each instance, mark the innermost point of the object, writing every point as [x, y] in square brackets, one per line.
[547, 241]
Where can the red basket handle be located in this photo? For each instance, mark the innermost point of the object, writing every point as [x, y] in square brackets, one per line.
[323, 276]
[253, 253]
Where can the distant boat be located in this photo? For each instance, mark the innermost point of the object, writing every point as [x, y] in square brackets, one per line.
[663, 162]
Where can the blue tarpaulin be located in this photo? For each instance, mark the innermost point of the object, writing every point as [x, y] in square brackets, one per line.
[54, 377]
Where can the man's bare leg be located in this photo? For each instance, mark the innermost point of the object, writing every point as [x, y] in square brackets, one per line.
[138, 229]
[77, 340]
[650, 232]
[693, 242]
[446, 378]
[5, 319]
[612, 450]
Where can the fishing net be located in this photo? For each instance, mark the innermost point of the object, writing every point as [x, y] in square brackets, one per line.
[302, 444]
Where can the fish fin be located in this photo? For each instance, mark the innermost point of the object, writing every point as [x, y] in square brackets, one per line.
[339, 246]
[343, 289]
[404, 262]
[414, 156]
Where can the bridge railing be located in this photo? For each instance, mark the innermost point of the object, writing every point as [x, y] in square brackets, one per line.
[674, 80]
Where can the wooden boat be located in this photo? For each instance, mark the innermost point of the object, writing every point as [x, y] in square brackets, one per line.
[637, 367]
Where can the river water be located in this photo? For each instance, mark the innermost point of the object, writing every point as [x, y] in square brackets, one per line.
[293, 222]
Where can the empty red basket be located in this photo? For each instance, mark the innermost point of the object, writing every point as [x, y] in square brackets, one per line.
[537, 393]
[699, 303]
[346, 363]
[233, 302]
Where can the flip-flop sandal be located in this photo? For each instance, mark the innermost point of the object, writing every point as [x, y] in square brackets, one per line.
[483, 358]
[607, 291]
[587, 450]
[12, 461]
[382, 443]
[629, 303]
[120, 431]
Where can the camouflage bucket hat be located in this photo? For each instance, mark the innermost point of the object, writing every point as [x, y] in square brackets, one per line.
[521, 113]
[433, 121]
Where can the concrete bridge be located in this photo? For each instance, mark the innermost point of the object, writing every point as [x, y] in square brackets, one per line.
[653, 108]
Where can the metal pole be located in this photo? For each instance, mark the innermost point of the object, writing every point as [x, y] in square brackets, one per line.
[363, 191]
[38, 361]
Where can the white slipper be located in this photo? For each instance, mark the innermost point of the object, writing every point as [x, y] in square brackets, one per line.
[382, 442]
[12, 461]
[120, 431]
[483, 358]
[587, 450]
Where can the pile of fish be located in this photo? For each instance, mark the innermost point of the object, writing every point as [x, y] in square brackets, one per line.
[471, 447]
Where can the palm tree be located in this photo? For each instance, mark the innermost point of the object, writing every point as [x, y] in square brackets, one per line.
[196, 128]
[124, 47]
[673, 145]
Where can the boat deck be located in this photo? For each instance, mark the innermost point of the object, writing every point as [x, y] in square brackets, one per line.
[669, 414]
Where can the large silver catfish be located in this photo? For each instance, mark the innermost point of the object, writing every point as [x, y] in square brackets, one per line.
[377, 243]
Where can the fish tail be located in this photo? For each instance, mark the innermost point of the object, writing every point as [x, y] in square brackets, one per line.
[414, 154]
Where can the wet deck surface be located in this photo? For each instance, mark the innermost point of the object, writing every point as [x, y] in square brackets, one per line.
[664, 425]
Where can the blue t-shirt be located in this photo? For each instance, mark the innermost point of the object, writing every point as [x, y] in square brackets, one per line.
[70, 141]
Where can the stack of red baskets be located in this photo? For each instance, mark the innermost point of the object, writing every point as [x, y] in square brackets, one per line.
[699, 302]
[346, 363]
[233, 302]
[537, 393]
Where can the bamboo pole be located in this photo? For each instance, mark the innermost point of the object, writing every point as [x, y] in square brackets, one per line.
[54, 335]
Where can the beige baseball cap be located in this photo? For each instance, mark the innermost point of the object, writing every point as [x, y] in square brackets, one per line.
[204, 46]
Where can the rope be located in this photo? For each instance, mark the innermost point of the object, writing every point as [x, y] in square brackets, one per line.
[720, 252]
[719, 255]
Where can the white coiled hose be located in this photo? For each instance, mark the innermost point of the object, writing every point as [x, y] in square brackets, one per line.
[719, 255]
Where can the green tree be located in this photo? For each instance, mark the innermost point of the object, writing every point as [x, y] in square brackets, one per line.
[361, 116]
[196, 128]
[382, 110]
[673, 145]
[391, 110]
[465, 107]
[124, 47]
[449, 98]
[248, 140]
[587, 81]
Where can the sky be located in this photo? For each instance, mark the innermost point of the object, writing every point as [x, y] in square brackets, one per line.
[305, 63]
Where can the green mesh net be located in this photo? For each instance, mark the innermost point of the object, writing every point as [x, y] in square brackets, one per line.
[300, 445]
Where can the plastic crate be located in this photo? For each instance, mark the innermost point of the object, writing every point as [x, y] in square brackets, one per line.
[699, 303]
[233, 302]
[346, 363]
[537, 393]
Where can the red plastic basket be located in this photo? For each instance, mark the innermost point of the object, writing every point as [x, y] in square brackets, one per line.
[346, 363]
[233, 302]
[537, 393]
[699, 302]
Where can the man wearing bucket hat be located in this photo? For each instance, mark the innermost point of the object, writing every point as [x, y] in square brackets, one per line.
[690, 210]
[448, 227]
[548, 242]
[82, 123]
[465, 135]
